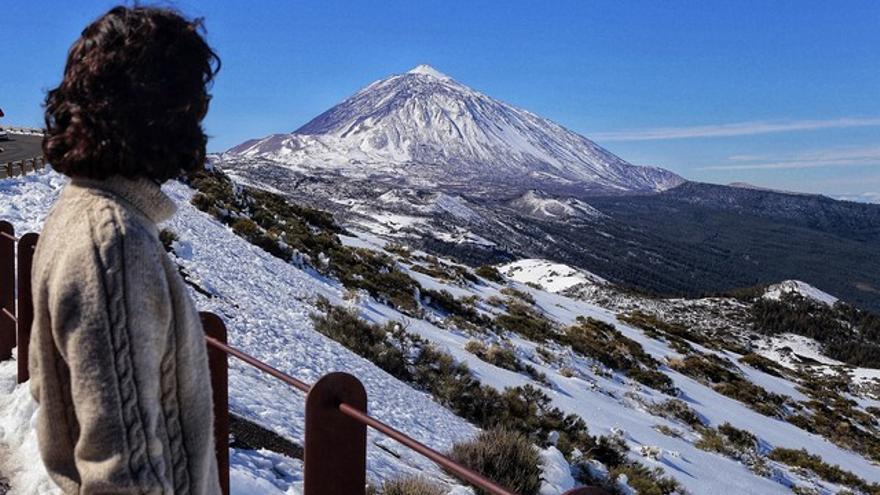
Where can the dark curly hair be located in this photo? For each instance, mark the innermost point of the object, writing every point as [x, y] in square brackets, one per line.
[134, 94]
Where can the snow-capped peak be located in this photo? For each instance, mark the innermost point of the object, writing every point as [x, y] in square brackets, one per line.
[427, 70]
[424, 128]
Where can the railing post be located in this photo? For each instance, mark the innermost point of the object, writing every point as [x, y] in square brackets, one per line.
[7, 290]
[586, 490]
[218, 362]
[25, 315]
[336, 445]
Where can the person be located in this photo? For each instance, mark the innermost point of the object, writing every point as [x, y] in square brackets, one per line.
[118, 360]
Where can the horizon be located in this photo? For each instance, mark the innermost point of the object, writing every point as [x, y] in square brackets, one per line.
[779, 96]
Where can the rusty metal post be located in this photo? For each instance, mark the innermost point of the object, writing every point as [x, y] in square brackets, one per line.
[26, 246]
[336, 445]
[218, 362]
[586, 490]
[7, 290]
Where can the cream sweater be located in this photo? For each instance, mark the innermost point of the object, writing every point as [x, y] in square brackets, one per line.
[118, 362]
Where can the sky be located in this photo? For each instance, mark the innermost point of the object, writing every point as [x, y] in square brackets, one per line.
[779, 94]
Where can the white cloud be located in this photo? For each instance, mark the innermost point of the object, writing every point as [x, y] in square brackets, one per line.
[734, 129]
[830, 157]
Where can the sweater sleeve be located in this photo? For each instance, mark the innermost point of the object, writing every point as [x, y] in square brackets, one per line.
[96, 336]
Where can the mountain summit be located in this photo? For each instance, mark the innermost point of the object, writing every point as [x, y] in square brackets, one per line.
[424, 128]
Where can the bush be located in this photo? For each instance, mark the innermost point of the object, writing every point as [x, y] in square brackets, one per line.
[759, 362]
[504, 456]
[677, 409]
[831, 473]
[490, 273]
[411, 486]
[167, 237]
[603, 342]
[523, 320]
[646, 481]
[728, 440]
[718, 373]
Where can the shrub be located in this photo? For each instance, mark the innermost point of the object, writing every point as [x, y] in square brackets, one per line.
[490, 273]
[518, 294]
[646, 481]
[505, 456]
[831, 473]
[522, 319]
[728, 440]
[677, 409]
[718, 373]
[603, 342]
[759, 362]
[411, 486]
[167, 237]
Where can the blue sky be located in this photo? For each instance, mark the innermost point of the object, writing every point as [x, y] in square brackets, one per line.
[782, 94]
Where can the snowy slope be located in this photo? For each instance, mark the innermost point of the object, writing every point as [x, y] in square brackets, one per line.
[425, 124]
[552, 277]
[266, 304]
[803, 289]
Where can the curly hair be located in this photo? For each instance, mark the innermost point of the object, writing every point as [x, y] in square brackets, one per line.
[134, 93]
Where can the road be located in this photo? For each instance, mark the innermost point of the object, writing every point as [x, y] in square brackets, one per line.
[20, 147]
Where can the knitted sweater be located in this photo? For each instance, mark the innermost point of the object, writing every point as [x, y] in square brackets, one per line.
[118, 361]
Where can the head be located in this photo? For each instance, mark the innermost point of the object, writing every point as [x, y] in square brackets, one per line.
[134, 93]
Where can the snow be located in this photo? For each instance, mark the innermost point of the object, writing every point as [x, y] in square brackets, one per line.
[804, 289]
[553, 277]
[557, 478]
[427, 70]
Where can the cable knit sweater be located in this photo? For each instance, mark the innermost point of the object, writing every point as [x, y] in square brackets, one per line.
[118, 362]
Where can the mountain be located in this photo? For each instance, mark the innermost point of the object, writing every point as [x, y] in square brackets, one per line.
[425, 128]
[428, 162]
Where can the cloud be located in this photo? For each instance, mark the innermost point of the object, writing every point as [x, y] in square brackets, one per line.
[830, 157]
[734, 129]
[865, 197]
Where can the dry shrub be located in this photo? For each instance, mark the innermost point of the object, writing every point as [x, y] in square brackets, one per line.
[504, 456]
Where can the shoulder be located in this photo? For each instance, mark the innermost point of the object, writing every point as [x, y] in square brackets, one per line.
[91, 227]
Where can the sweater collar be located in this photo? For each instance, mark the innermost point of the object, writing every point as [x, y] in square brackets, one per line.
[142, 193]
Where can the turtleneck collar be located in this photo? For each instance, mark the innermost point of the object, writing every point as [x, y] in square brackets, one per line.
[142, 193]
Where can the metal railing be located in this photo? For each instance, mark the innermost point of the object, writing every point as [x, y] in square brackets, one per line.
[336, 417]
[21, 167]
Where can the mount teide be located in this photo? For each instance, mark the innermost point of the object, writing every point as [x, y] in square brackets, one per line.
[424, 160]
[426, 129]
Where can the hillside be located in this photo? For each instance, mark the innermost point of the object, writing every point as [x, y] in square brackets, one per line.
[622, 389]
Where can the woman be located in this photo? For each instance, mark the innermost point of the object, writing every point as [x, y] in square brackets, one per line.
[118, 360]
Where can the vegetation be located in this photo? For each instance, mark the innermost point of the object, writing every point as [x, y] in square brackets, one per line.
[603, 342]
[720, 374]
[524, 320]
[284, 229]
[828, 472]
[503, 357]
[759, 362]
[845, 332]
[677, 409]
[505, 456]
[412, 485]
[167, 237]
[490, 273]
[525, 410]
[728, 440]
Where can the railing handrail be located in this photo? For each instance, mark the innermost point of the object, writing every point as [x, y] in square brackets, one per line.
[445, 462]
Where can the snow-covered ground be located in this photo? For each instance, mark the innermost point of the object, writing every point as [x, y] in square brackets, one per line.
[267, 303]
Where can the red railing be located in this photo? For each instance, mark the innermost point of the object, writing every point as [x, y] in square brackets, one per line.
[336, 405]
[21, 167]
